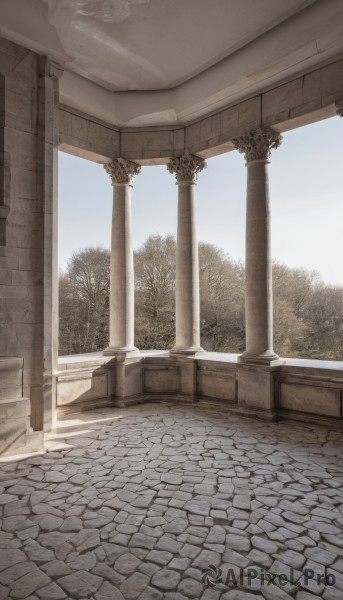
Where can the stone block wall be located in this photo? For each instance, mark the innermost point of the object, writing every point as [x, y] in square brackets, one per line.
[28, 217]
[306, 391]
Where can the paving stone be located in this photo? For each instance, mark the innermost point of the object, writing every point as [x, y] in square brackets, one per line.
[127, 563]
[321, 556]
[176, 526]
[180, 564]
[18, 570]
[134, 585]
[169, 490]
[50, 522]
[205, 558]
[171, 478]
[108, 592]
[166, 579]
[108, 573]
[169, 544]
[16, 523]
[265, 545]
[10, 557]
[5, 498]
[38, 553]
[238, 542]
[190, 588]
[242, 502]
[56, 568]
[82, 562]
[149, 568]
[140, 540]
[72, 523]
[51, 592]
[86, 540]
[151, 594]
[55, 477]
[240, 595]
[80, 584]
[32, 581]
[256, 557]
[161, 557]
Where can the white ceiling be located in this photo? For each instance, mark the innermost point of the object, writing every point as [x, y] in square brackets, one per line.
[135, 62]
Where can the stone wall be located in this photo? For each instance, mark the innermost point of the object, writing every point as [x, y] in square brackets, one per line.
[28, 217]
[298, 389]
[16, 432]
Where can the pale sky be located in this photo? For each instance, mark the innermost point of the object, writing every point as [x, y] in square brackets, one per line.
[306, 192]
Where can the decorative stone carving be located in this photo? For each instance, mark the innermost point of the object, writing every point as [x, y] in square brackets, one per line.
[339, 108]
[186, 168]
[122, 171]
[257, 145]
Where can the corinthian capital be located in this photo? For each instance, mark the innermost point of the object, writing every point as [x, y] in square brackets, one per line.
[257, 145]
[186, 168]
[122, 171]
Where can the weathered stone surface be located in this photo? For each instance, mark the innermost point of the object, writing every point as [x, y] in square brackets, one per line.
[10, 557]
[156, 537]
[127, 563]
[134, 585]
[108, 592]
[166, 579]
[24, 586]
[51, 592]
[81, 584]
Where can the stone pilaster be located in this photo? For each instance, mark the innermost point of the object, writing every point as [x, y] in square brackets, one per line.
[187, 169]
[257, 146]
[122, 173]
[49, 73]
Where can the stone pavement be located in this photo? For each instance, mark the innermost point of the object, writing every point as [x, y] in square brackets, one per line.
[134, 503]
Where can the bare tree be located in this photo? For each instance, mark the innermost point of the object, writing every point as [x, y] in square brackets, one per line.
[84, 293]
[308, 315]
[155, 292]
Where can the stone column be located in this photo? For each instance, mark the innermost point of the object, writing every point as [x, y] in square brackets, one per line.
[122, 173]
[186, 169]
[257, 146]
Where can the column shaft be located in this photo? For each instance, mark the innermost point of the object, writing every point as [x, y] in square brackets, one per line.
[122, 278]
[258, 266]
[257, 146]
[122, 324]
[187, 313]
[187, 272]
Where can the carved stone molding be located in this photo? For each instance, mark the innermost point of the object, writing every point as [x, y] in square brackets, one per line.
[257, 145]
[122, 171]
[339, 108]
[186, 168]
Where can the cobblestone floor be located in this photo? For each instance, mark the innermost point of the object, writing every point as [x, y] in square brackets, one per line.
[135, 503]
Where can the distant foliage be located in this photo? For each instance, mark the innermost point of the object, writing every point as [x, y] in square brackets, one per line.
[308, 315]
[84, 302]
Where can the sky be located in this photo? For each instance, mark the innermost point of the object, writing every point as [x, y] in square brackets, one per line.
[306, 195]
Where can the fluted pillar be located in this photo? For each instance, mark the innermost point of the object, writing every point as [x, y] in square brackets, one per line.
[257, 146]
[187, 308]
[121, 332]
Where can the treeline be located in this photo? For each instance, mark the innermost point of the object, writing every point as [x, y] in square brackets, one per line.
[308, 315]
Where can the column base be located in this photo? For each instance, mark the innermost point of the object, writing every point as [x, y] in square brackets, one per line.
[121, 352]
[190, 351]
[266, 358]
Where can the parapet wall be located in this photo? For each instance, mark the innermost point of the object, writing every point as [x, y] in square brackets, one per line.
[298, 389]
